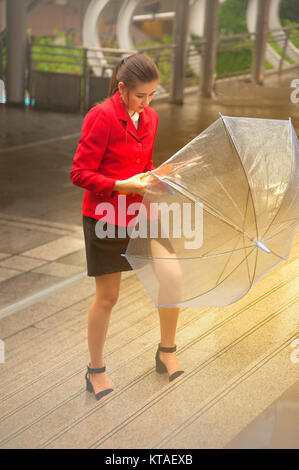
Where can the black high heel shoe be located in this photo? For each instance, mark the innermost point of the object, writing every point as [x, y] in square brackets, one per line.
[161, 367]
[89, 386]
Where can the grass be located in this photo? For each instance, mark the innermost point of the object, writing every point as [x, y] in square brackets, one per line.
[59, 62]
[294, 35]
[278, 49]
[234, 60]
[165, 59]
[237, 59]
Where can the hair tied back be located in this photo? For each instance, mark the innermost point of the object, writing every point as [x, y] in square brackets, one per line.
[138, 68]
[120, 64]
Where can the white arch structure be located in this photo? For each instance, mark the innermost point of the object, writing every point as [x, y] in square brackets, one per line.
[274, 24]
[123, 23]
[90, 28]
[196, 26]
[128, 7]
[280, 35]
[91, 37]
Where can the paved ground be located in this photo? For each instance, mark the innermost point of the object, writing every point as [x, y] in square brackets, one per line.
[45, 297]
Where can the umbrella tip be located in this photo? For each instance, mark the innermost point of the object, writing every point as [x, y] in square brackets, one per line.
[263, 247]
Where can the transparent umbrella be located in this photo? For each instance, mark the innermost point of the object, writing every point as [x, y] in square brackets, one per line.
[218, 215]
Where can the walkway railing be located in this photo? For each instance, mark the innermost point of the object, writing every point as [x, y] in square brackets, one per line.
[235, 53]
[89, 65]
[85, 72]
[286, 43]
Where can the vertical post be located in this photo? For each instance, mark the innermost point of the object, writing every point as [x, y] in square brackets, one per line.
[30, 69]
[1, 58]
[85, 81]
[16, 51]
[262, 23]
[2, 16]
[180, 37]
[208, 63]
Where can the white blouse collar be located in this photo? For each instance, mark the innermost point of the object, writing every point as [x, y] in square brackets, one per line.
[135, 116]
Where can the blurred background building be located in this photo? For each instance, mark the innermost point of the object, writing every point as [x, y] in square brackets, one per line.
[194, 43]
[240, 390]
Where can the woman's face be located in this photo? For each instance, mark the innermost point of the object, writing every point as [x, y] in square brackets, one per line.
[137, 98]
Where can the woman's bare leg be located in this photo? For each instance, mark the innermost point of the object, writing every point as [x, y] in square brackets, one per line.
[168, 325]
[107, 291]
[169, 276]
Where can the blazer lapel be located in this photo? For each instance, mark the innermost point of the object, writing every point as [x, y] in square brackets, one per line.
[143, 125]
[131, 128]
[123, 115]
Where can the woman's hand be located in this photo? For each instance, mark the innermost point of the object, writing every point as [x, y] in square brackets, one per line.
[136, 184]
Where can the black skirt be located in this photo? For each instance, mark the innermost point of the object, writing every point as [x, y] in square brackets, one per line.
[103, 255]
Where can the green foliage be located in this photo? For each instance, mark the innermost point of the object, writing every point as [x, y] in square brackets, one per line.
[167, 39]
[294, 34]
[289, 10]
[165, 72]
[232, 20]
[234, 60]
[41, 55]
[268, 66]
[191, 76]
[164, 61]
[3, 57]
[278, 49]
[232, 17]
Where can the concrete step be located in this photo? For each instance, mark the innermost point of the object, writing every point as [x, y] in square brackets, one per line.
[133, 374]
[25, 351]
[63, 337]
[75, 420]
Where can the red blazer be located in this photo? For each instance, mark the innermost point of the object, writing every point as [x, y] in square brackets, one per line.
[111, 149]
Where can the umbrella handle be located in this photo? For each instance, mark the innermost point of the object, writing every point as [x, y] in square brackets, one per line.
[167, 187]
[142, 177]
[158, 178]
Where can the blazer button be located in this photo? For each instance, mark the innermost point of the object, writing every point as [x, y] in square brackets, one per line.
[138, 160]
[139, 144]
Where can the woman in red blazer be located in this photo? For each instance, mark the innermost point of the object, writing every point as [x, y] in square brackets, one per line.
[114, 152]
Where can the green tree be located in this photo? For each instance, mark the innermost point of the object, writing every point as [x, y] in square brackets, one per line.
[232, 17]
[289, 10]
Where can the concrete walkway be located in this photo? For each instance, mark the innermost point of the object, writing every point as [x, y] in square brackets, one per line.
[237, 362]
[240, 362]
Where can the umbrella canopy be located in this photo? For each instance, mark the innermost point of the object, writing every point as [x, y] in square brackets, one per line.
[220, 214]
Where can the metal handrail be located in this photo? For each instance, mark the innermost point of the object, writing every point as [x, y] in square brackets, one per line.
[111, 55]
[91, 51]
